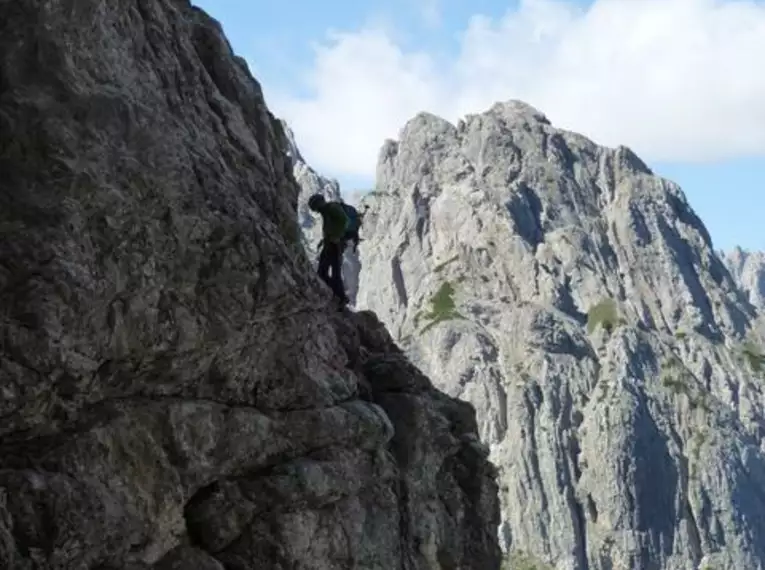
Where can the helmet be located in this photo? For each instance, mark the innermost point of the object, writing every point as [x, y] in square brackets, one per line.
[316, 201]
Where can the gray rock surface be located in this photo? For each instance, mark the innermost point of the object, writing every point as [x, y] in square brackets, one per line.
[175, 393]
[748, 269]
[574, 298]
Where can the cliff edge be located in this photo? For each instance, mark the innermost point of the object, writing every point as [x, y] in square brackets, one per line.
[174, 391]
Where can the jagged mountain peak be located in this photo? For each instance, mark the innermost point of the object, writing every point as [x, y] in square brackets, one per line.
[748, 269]
[425, 132]
[516, 111]
[575, 299]
[496, 144]
[560, 205]
[740, 255]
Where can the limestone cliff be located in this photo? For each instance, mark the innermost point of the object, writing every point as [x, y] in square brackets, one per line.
[575, 299]
[748, 269]
[174, 392]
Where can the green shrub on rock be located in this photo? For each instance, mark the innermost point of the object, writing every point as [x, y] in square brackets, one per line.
[604, 314]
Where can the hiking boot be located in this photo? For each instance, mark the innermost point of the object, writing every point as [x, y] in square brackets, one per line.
[342, 302]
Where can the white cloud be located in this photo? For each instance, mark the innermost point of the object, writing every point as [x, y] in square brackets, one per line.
[673, 79]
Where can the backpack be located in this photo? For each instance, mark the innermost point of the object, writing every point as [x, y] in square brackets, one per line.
[354, 220]
[354, 224]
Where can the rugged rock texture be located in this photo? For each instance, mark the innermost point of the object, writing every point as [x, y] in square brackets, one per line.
[174, 393]
[748, 269]
[576, 301]
[310, 183]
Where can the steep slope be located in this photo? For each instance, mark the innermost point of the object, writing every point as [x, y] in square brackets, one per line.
[173, 392]
[575, 300]
[310, 183]
[748, 269]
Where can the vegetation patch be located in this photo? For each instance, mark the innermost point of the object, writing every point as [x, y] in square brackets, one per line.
[697, 442]
[676, 383]
[680, 335]
[600, 397]
[708, 566]
[524, 379]
[672, 374]
[678, 379]
[523, 561]
[754, 357]
[442, 308]
[604, 314]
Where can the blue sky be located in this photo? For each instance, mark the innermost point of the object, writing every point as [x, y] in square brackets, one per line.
[676, 80]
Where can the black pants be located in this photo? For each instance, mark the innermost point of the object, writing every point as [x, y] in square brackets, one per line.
[331, 267]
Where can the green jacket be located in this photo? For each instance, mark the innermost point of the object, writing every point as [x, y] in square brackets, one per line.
[335, 222]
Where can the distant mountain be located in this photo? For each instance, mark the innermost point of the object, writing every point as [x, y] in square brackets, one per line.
[574, 298]
[748, 269]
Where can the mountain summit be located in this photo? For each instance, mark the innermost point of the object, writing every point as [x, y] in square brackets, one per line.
[575, 299]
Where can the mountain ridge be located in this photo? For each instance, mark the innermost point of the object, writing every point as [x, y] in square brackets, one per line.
[175, 391]
[575, 299]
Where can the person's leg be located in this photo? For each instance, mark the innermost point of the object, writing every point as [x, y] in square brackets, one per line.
[336, 260]
[325, 263]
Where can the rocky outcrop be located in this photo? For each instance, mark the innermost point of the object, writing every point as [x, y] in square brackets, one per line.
[174, 391]
[748, 269]
[574, 298]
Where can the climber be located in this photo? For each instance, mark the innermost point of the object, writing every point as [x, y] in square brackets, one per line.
[355, 219]
[334, 224]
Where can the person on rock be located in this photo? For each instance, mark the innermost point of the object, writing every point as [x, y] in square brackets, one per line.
[334, 224]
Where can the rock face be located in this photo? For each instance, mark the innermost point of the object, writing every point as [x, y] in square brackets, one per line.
[576, 301]
[748, 269]
[174, 392]
[310, 183]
